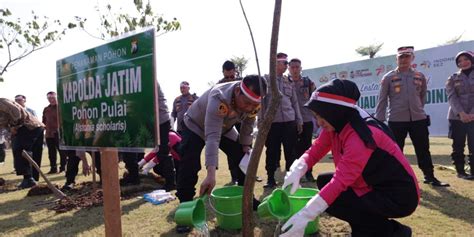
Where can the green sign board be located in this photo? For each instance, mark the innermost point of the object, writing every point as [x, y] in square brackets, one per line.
[106, 96]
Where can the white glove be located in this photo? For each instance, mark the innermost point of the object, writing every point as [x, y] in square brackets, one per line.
[146, 169]
[297, 223]
[141, 163]
[292, 177]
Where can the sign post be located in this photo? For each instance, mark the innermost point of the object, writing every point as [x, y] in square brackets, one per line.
[107, 100]
[111, 187]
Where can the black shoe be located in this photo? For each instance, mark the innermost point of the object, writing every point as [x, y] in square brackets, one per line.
[401, 230]
[52, 171]
[270, 184]
[127, 181]
[62, 169]
[309, 177]
[183, 229]
[464, 175]
[435, 182]
[27, 183]
[169, 187]
[68, 187]
[255, 204]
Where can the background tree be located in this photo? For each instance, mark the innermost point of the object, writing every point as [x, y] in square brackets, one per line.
[456, 39]
[19, 39]
[370, 50]
[114, 23]
[240, 64]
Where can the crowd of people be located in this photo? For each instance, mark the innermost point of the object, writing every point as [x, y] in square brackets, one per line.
[373, 181]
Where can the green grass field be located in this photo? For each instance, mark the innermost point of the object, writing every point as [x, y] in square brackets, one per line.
[442, 211]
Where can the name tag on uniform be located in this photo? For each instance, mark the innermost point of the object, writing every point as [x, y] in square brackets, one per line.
[397, 84]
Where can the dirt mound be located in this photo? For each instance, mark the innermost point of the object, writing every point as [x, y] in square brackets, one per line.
[331, 226]
[86, 200]
[40, 189]
[83, 196]
[151, 176]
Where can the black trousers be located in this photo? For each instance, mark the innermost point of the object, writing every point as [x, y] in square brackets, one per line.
[279, 133]
[190, 163]
[53, 149]
[419, 136]
[304, 140]
[25, 139]
[369, 214]
[73, 165]
[131, 160]
[2, 152]
[37, 155]
[166, 166]
[459, 131]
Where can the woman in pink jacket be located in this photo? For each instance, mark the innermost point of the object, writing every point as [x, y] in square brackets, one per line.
[373, 181]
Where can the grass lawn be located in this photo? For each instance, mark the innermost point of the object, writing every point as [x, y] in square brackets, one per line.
[442, 211]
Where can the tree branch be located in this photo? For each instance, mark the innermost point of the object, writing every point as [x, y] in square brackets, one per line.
[263, 129]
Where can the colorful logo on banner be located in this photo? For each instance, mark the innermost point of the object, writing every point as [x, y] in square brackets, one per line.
[106, 95]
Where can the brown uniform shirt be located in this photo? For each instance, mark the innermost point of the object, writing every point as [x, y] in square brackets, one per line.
[50, 119]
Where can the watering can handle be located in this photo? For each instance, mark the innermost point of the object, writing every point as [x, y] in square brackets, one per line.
[211, 204]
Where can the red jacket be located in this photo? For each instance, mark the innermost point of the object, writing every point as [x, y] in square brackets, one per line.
[351, 157]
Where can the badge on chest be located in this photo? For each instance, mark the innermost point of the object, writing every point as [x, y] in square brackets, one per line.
[222, 110]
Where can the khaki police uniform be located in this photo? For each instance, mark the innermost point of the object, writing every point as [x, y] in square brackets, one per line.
[237, 125]
[180, 105]
[460, 91]
[210, 122]
[225, 80]
[404, 93]
[304, 87]
[284, 126]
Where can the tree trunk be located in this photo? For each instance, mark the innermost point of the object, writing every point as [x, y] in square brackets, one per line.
[263, 128]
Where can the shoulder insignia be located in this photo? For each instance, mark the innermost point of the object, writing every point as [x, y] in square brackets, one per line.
[419, 75]
[223, 109]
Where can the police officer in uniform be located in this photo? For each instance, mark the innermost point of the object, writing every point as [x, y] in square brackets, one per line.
[460, 90]
[304, 87]
[229, 73]
[286, 125]
[210, 122]
[181, 105]
[404, 91]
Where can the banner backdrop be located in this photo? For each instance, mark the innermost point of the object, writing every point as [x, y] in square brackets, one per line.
[106, 95]
[437, 64]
